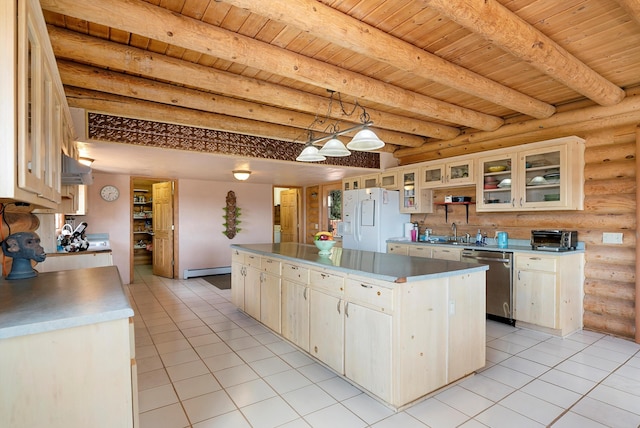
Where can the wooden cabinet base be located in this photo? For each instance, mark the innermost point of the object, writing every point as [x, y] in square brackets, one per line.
[74, 377]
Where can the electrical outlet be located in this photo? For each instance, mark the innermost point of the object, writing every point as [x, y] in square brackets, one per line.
[611, 238]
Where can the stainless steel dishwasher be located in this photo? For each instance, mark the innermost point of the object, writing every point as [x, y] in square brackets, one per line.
[499, 281]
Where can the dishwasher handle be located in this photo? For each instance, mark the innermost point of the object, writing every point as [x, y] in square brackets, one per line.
[488, 259]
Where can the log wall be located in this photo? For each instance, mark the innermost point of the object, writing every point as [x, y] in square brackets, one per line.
[610, 205]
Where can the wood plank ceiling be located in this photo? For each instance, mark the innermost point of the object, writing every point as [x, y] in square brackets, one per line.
[432, 74]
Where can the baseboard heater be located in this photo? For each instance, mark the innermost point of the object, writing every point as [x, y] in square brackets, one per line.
[192, 273]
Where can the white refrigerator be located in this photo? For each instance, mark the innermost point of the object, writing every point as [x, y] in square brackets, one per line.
[370, 217]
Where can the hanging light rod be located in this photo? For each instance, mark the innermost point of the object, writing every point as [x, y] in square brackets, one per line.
[346, 131]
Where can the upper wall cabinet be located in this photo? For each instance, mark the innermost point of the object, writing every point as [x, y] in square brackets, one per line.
[542, 176]
[447, 174]
[34, 117]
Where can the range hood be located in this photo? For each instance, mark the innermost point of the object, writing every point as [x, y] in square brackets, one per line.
[73, 172]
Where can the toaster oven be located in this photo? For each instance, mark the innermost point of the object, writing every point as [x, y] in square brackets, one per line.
[554, 240]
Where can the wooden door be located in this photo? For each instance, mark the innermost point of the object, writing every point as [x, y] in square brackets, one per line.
[163, 229]
[289, 215]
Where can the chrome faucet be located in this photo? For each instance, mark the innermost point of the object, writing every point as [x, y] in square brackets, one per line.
[455, 231]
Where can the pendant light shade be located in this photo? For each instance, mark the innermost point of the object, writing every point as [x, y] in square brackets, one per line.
[310, 153]
[365, 140]
[334, 148]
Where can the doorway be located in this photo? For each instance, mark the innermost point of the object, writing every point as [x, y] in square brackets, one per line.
[154, 225]
[287, 214]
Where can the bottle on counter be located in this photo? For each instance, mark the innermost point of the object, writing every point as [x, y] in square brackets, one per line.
[479, 238]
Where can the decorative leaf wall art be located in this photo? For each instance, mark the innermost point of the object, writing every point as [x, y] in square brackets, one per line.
[232, 213]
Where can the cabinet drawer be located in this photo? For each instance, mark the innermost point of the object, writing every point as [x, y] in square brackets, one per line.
[271, 266]
[252, 260]
[416, 251]
[295, 273]
[544, 264]
[330, 282]
[237, 257]
[368, 294]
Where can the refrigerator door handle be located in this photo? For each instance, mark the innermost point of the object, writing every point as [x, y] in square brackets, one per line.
[357, 222]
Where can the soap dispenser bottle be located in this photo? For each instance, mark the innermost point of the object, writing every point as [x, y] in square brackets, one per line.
[479, 238]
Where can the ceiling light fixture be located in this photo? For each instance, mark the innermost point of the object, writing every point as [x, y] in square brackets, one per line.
[364, 140]
[241, 175]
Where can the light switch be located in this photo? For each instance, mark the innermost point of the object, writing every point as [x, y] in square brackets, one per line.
[611, 238]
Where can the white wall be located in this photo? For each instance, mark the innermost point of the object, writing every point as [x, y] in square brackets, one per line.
[111, 218]
[201, 243]
[201, 239]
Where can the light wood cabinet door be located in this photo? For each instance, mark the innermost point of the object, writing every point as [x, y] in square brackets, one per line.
[252, 286]
[270, 301]
[369, 181]
[389, 180]
[326, 329]
[536, 297]
[401, 249]
[351, 183]
[548, 176]
[295, 313]
[446, 253]
[237, 280]
[367, 350]
[447, 174]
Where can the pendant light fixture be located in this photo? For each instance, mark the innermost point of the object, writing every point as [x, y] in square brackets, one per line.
[364, 140]
[334, 148]
[310, 153]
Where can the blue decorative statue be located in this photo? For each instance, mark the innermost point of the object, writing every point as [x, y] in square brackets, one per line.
[23, 247]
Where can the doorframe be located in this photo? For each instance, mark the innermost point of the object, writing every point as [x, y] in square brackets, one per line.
[174, 182]
[301, 208]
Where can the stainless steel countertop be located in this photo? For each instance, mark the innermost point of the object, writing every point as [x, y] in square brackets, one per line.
[64, 299]
[386, 267]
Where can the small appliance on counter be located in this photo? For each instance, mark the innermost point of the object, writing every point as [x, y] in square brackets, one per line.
[98, 242]
[554, 240]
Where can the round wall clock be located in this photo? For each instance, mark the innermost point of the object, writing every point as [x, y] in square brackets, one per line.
[109, 193]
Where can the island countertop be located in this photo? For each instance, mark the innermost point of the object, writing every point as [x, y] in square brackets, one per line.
[386, 267]
[63, 299]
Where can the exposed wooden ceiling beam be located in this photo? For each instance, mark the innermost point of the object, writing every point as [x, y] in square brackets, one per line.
[499, 25]
[632, 7]
[340, 29]
[161, 24]
[123, 106]
[86, 77]
[579, 121]
[67, 44]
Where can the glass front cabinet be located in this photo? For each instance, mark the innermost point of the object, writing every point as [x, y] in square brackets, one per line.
[454, 173]
[546, 176]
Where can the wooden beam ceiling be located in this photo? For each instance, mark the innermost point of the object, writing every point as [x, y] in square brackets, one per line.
[343, 30]
[501, 27]
[160, 24]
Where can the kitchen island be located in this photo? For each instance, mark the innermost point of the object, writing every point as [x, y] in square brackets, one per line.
[400, 327]
[67, 351]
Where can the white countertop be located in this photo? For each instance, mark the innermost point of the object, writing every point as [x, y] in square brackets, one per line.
[64, 299]
[386, 267]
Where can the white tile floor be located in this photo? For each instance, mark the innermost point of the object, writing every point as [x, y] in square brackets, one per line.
[204, 364]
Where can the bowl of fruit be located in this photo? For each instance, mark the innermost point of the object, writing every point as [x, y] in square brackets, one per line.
[324, 241]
